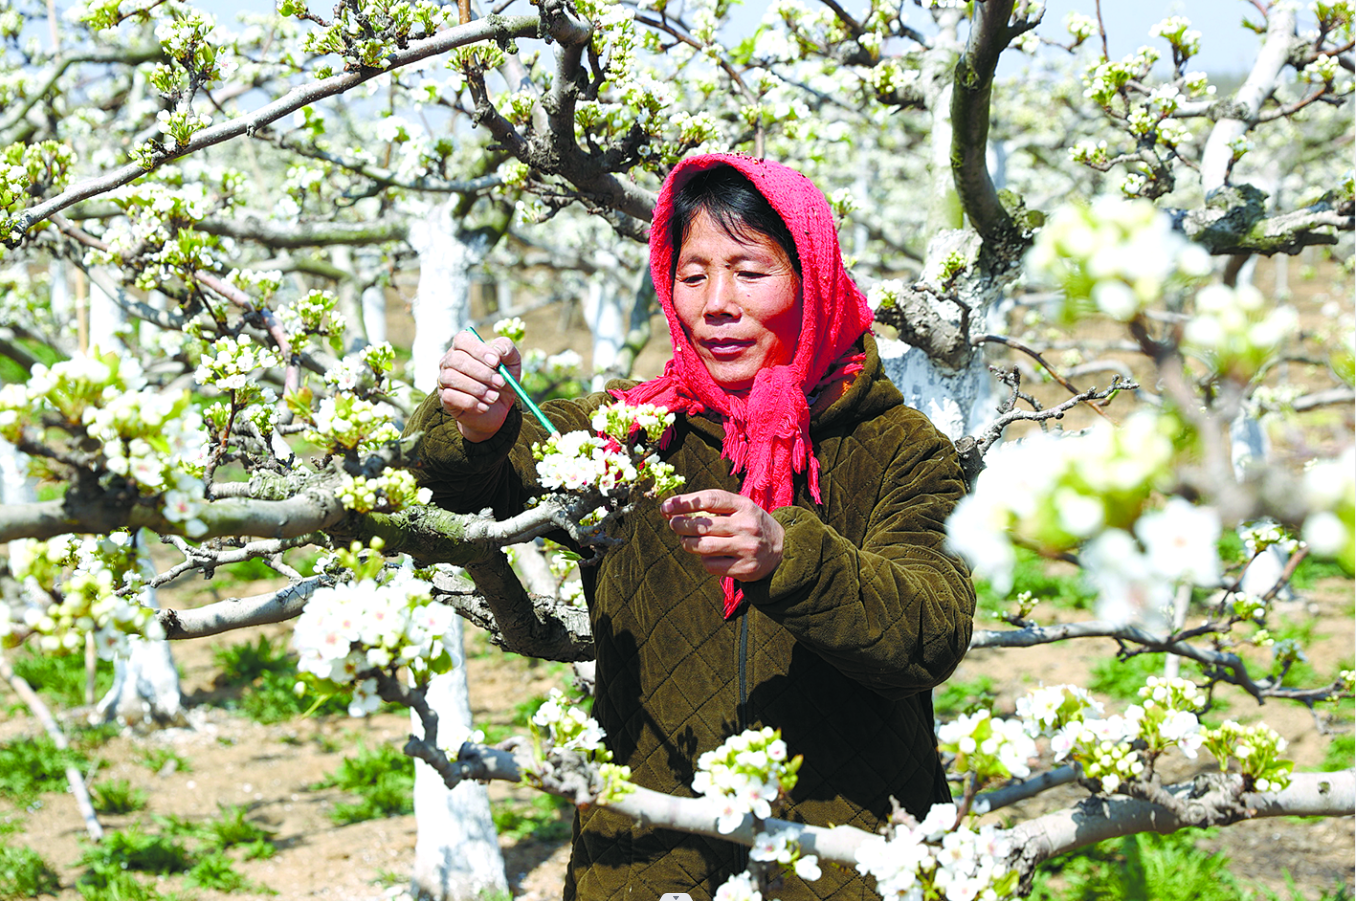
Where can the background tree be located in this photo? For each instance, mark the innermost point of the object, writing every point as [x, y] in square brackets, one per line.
[278, 172]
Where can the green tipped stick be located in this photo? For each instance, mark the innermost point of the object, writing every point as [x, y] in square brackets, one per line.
[518, 390]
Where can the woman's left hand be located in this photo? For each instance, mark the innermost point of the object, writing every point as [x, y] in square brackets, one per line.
[733, 535]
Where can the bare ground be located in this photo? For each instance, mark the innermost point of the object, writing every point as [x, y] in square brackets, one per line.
[273, 769]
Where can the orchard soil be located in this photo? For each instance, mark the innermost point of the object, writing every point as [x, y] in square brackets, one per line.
[272, 769]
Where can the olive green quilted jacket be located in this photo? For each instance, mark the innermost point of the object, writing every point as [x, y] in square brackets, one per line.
[838, 648]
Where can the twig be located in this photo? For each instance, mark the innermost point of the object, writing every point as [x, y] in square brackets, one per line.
[49, 723]
[995, 430]
[1027, 788]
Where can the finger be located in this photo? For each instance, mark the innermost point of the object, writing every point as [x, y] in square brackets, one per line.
[460, 403]
[711, 500]
[471, 391]
[507, 353]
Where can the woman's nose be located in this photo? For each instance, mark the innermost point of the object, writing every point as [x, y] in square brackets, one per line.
[720, 300]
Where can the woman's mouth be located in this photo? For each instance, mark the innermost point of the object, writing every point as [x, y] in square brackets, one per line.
[725, 347]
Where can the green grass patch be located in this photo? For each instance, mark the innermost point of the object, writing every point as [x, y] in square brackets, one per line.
[133, 849]
[954, 698]
[117, 796]
[1034, 573]
[217, 871]
[1122, 678]
[244, 663]
[163, 760]
[383, 780]
[542, 818]
[31, 766]
[266, 675]
[231, 828]
[1340, 753]
[1161, 867]
[25, 874]
[60, 678]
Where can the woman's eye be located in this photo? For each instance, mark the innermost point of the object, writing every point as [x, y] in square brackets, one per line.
[691, 279]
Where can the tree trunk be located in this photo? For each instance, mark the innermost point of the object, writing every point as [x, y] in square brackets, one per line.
[606, 319]
[457, 851]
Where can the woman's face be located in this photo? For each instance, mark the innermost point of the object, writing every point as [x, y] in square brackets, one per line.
[739, 302]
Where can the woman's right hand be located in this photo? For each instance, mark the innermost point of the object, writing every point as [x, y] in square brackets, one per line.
[470, 388]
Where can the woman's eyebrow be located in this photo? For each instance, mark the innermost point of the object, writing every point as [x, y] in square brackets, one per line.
[753, 256]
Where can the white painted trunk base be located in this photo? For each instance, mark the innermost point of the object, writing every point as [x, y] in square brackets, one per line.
[958, 402]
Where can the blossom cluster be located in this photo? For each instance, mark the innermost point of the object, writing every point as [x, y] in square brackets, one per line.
[346, 422]
[230, 363]
[988, 746]
[314, 313]
[1105, 79]
[938, 859]
[1235, 332]
[1256, 748]
[569, 728]
[1114, 257]
[614, 459]
[781, 845]
[72, 586]
[23, 166]
[349, 630]
[153, 439]
[1054, 493]
[393, 490]
[1111, 750]
[745, 775]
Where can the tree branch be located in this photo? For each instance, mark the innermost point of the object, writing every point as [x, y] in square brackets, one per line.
[989, 35]
[498, 28]
[1217, 156]
[240, 613]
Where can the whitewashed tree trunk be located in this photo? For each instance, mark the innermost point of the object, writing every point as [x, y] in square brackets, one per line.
[16, 486]
[374, 313]
[107, 321]
[606, 320]
[958, 402]
[457, 854]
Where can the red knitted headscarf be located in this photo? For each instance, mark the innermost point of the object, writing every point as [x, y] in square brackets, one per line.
[767, 432]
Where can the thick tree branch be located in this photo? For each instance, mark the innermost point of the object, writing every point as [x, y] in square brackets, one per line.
[989, 35]
[1211, 800]
[240, 613]
[542, 627]
[1217, 157]
[294, 235]
[1234, 221]
[1100, 818]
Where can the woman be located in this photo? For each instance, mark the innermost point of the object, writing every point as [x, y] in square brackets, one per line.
[799, 583]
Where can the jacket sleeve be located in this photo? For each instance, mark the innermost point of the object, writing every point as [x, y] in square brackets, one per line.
[896, 612]
[499, 473]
